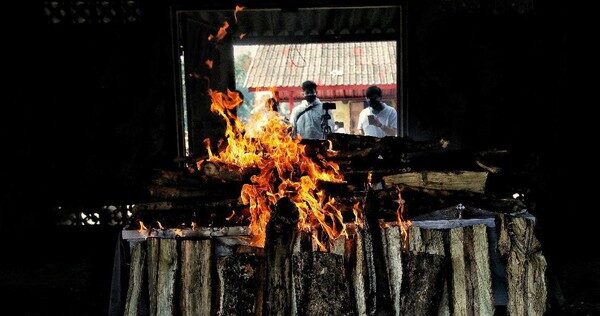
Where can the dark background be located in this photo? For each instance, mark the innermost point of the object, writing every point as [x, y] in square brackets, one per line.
[89, 109]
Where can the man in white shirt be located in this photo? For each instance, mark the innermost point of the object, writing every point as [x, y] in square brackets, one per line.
[307, 117]
[378, 119]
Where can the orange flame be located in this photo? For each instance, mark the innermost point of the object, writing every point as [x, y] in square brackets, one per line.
[230, 216]
[142, 227]
[178, 232]
[194, 226]
[284, 169]
[160, 225]
[357, 211]
[402, 223]
[221, 33]
[316, 240]
[237, 9]
[209, 63]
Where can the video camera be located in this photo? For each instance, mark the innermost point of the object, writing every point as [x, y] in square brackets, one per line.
[328, 106]
[326, 117]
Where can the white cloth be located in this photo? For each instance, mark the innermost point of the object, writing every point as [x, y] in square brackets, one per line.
[308, 125]
[341, 130]
[387, 116]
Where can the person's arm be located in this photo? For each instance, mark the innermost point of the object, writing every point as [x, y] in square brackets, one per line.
[361, 120]
[391, 128]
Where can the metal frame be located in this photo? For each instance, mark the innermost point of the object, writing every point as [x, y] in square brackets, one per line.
[402, 73]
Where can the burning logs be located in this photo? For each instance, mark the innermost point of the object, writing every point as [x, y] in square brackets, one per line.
[377, 269]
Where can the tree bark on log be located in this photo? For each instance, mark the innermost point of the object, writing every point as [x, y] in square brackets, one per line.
[196, 286]
[526, 267]
[392, 251]
[431, 241]
[422, 285]
[167, 268]
[378, 295]
[238, 285]
[320, 286]
[153, 254]
[358, 274]
[278, 252]
[471, 181]
[471, 287]
[136, 277]
[225, 191]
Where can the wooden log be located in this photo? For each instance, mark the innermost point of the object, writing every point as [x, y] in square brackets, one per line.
[136, 276]
[471, 286]
[221, 172]
[165, 285]
[338, 246]
[196, 283]
[526, 267]
[378, 290]
[176, 177]
[230, 191]
[472, 181]
[238, 284]
[320, 286]
[358, 274]
[153, 259]
[392, 251]
[431, 241]
[231, 204]
[278, 252]
[422, 285]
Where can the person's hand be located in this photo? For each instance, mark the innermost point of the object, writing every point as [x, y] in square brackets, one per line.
[377, 122]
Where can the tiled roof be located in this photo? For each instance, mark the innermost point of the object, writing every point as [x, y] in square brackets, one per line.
[327, 64]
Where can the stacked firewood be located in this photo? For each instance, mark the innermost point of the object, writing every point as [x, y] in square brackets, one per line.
[444, 261]
[374, 270]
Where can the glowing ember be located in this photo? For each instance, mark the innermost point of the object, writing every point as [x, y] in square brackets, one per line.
[402, 223]
[221, 33]
[142, 227]
[284, 170]
[237, 9]
[230, 216]
[209, 63]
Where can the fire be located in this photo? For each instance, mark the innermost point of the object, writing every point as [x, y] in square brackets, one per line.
[237, 9]
[402, 223]
[194, 226]
[209, 63]
[221, 33]
[142, 227]
[160, 225]
[357, 211]
[178, 232]
[230, 216]
[284, 170]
